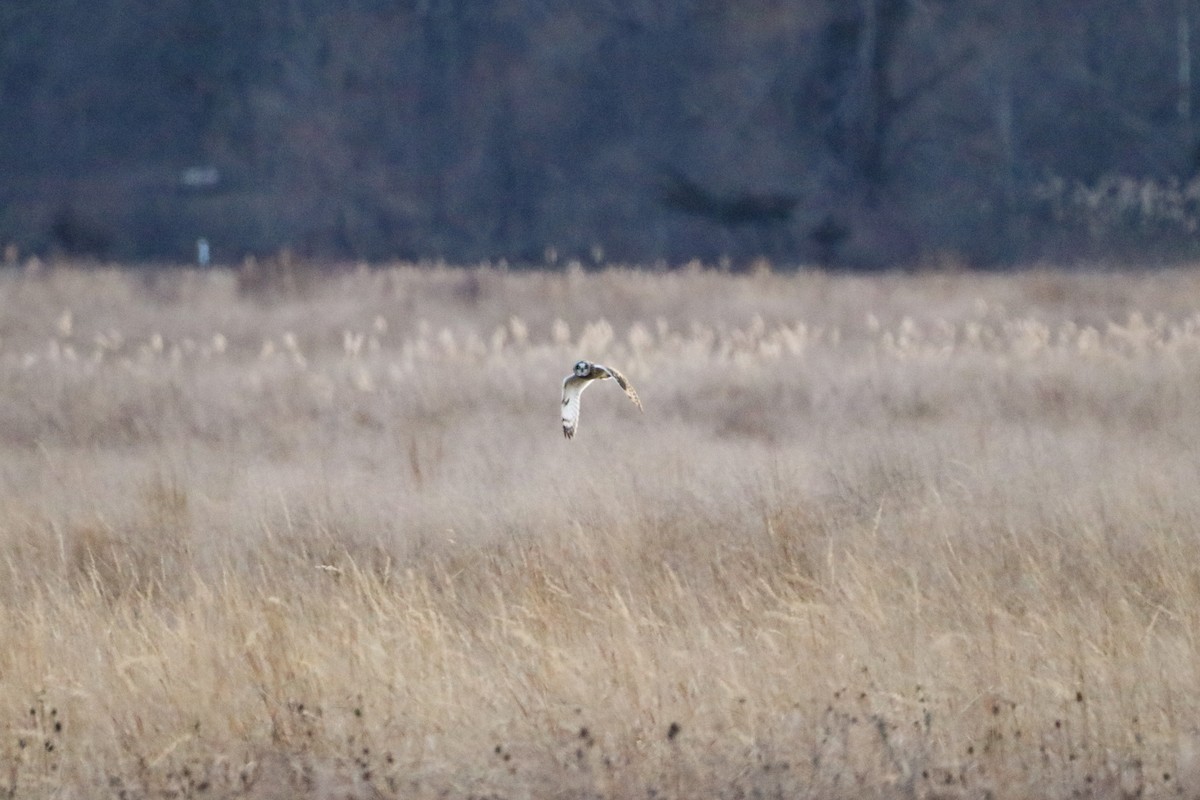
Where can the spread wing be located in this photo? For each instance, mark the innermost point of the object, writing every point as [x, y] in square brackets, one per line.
[573, 387]
[624, 383]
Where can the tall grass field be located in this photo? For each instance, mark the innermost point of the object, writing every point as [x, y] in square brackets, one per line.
[290, 533]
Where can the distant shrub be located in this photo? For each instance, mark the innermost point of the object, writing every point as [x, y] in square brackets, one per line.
[1117, 205]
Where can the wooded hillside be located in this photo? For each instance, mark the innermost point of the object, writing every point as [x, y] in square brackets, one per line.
[861, 134]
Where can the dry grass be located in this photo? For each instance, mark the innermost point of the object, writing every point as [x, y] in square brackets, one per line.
[911, 537]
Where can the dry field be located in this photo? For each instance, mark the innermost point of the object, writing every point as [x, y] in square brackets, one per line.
[281, 535]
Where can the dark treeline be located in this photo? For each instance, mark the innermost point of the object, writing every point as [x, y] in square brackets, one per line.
[859, 133]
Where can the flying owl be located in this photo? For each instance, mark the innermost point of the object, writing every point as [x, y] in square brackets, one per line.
[584, 374]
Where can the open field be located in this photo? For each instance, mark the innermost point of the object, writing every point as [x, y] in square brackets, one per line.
[283, 535]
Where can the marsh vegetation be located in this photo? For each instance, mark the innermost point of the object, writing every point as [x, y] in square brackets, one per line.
[292, 534]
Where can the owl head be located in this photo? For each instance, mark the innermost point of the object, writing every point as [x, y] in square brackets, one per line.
[583, 369]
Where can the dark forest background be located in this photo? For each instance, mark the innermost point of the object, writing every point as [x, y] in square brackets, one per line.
[857, 133]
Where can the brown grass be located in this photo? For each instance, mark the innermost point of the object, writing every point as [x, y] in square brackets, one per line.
[904, 536]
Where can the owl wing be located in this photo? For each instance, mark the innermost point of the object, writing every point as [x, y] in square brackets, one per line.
[624, 383]
[573, 387]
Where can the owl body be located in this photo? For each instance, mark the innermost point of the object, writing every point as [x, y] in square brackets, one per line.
[583, 375]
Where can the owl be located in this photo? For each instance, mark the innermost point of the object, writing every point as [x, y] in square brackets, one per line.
[582, 376]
